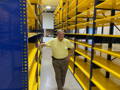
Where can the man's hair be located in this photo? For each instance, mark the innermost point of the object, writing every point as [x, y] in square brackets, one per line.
[60, 31]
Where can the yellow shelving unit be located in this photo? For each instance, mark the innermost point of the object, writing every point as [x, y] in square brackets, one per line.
[71, 66]
[34, 67]
[32, 53]
[103, 83]
[84, 81]
[32, 76]
[84, 67]
[95, 64]
[34, 26]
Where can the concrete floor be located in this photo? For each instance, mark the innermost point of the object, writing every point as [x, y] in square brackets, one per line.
[47, 74]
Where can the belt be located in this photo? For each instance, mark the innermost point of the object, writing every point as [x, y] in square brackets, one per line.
[58, 59]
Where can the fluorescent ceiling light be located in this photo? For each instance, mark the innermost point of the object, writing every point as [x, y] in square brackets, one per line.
[48, 7]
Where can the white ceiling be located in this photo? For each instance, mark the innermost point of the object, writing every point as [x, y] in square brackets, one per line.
[52, 3]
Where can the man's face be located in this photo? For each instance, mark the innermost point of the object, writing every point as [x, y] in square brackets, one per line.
[60, 36]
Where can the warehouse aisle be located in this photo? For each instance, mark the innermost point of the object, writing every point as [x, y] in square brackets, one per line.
[47, 75]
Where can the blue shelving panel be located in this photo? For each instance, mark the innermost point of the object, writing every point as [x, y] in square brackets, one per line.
[13, 45]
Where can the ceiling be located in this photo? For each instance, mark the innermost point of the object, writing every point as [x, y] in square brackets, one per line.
[52, 3]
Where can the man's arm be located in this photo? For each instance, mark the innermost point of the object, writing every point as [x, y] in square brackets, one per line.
[41, 45]
[48, 44]
[71, 53]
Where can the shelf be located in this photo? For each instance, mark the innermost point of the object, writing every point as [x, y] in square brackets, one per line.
[72, 12]
[112, 53]
[98, 38]
[71, 66]
[72, 59]
[84, 44]
[89, 13]
[61, 3]
[32, 17]
[35, 87]
[72, 4]
[99, 22]
[114, 19]
[109, 4]
[70, 69]
[82, 79]
[33, 14]
[78, 34]
[86, 9]
[101, 35]
[83, 25]
[39, 52]
[95, 35]
[39, 82]
[71, 40]
[32, 75]
[83, 66]
[31, 9]
[84, 5]
[31, 54]
[79, 20]
[107, 65]
[31, 35]
[83, 53]
[103, 83]
[71, 27]
[34, 1]
[57, 9]
[39, 68]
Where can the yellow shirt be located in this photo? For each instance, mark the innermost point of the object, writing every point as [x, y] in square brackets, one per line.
[59, 48]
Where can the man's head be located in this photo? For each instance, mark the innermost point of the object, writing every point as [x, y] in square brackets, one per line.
[60, 35]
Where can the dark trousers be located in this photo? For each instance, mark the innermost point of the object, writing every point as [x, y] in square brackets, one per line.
[60, 68]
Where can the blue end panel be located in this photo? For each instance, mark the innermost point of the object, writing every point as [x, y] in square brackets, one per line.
[13, 45]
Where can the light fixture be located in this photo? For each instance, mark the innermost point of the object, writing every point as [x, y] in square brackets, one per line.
[48, 7]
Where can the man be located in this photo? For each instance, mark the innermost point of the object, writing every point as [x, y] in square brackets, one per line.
[60, 56]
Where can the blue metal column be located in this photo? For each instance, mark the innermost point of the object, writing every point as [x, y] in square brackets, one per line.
[13, 45]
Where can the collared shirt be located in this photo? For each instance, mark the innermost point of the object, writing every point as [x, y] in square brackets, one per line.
[59, 48]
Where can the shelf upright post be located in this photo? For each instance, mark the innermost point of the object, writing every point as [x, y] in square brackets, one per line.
[76, 31]
[36, 23]
[59, 17]
[102, 31]
[62, 15]
[87, 31]
[93, 42]
[54, 24]
[40, 16]
[110, 41]
[67, 13]
[68, 16]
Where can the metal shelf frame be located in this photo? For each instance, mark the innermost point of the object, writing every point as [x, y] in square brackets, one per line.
[91, 14]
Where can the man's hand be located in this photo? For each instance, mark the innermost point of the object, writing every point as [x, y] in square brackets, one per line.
[68, 58]
[71, 53]
[41, 45]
